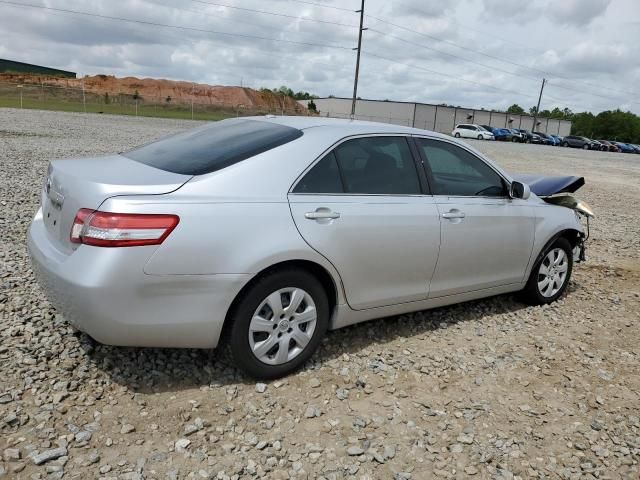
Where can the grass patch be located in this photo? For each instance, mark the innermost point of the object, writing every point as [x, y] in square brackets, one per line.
[183, 112]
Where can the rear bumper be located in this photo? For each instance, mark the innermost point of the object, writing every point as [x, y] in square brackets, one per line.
[105, 293]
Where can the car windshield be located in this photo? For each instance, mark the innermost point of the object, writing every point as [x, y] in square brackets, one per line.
[213, 146]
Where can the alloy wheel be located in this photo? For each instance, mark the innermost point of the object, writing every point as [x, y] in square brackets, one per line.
[552, 273]
[282, 326]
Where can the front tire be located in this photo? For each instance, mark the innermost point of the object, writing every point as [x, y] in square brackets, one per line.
[480, 137]
[278, 323]
[551, 274]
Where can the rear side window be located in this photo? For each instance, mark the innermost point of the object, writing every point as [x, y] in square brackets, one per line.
[213, 146]
[366, 166]
[378, 165]
[324, 177]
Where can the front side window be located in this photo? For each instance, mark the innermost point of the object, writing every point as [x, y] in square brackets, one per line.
[457, 172]
[378, 165]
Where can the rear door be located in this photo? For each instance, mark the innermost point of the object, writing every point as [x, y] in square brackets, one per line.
[487, 237]
[363, 206]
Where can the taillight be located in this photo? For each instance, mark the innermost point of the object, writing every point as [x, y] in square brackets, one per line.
[106, 229]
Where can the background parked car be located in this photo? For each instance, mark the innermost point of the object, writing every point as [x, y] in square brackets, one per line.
[544, 138]
[471, 130]
[624, 148]
[517, 135]
[611, 147]
[636, 148]
[503, 134]
[575, 141]
[558, 140]
[596, 145]
[528, 136]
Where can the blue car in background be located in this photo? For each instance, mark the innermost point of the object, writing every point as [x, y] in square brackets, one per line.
[503, 134]
[556, 140]
[625, 148]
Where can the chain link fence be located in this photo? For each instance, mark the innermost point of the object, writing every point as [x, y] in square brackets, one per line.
[53, 97]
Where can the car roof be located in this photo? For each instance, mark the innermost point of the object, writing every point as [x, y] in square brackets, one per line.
[351, 127]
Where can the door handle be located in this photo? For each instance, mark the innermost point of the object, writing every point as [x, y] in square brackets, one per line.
[322, 214]
[453, 214]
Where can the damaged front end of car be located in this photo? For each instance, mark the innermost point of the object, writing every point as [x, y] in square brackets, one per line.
[558, 190]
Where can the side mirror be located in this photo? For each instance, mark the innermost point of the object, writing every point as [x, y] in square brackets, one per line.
[520, 190]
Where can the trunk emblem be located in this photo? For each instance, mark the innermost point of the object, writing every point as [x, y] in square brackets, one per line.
[56, 198]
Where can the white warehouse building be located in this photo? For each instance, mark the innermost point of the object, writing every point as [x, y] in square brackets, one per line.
[437, 118]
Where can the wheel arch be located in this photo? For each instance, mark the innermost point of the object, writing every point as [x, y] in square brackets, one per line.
[331, 286]
[572, 235]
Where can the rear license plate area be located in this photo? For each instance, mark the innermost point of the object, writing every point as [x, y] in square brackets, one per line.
[51, 214]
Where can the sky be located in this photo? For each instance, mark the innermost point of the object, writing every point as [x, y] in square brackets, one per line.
[469, 53]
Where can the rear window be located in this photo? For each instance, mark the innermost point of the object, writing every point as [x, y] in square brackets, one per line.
[213, 146]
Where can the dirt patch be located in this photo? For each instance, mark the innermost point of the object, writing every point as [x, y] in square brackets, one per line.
[152, 90]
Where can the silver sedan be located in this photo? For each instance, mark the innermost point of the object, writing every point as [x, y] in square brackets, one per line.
[268, 231]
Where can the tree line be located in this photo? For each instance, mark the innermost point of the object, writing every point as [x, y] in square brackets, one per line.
[608, 125]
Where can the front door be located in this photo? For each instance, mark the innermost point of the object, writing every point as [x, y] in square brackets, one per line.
[487, 237]
[363, 207]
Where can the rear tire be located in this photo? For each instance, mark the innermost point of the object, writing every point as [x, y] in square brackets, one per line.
[268, 339]
[550, 275]
[457, 135]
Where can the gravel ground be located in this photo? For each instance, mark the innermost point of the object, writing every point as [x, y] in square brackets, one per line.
[487, 389]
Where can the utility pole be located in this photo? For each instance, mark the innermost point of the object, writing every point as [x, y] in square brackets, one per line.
[355, 80]
[193, 86]
[535, 115]
[84, 99]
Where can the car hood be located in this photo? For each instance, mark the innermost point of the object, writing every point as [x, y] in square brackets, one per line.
[544, 186]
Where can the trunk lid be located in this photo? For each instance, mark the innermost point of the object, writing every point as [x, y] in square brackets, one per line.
[73, 184]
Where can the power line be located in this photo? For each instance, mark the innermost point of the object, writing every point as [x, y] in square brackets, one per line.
[166, 25]
[449, 19]
[265, 12]
[409, 42]
[220, 17]
[322, 5]
[500, 59]
[486, 85]
[513, 92]
[442, 52]
[571, 89]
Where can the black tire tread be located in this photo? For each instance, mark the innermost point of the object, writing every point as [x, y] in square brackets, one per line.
[237, 339]
[530, 293]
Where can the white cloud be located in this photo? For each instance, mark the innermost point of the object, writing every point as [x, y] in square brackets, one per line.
[575, 39]
[577, 12]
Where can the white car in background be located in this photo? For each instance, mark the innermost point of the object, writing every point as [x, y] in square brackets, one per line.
[471, 130]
